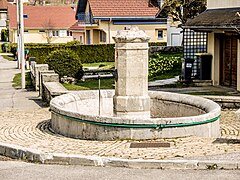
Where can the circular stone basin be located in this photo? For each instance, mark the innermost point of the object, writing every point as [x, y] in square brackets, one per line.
[172, 115]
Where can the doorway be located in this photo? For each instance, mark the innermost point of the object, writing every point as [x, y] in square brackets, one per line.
[228, 61]
[88, 34]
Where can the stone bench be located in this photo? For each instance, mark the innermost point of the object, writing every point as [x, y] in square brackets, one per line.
[51, 90]
[50, 86]
[35, 69]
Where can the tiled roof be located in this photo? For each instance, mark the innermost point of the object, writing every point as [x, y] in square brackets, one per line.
[3, 4]
[216, 18]
[117, 8]
[42, 17]
[77, 26]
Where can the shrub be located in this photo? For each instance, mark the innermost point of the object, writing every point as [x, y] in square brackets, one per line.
[160, 64]
[73, 43]
[65, 63]
[157, 44]
[5, 47]
[4, 35]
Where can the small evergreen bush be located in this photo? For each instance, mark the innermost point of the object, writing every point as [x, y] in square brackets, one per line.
[65, 63]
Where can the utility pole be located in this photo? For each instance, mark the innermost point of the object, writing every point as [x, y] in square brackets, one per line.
[18, 38]
[21, 43]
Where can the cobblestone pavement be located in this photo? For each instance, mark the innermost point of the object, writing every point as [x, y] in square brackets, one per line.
[30, 128]
[25, 123]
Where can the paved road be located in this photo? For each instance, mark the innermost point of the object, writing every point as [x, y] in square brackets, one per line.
[12, 170]
[24, 123]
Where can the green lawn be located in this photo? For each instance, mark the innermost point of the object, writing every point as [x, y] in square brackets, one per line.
[91, 84]
[101, 65]
[9, 57]
[17, 80]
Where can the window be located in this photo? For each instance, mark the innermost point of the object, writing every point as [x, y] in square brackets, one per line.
[25, 16]
[69, 33]
[102, 36]
[41, 31]
[25, 30]
[55, 33]
[3, 16]
[160, 34]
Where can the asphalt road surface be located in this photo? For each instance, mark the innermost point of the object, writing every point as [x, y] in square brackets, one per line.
[18, 170]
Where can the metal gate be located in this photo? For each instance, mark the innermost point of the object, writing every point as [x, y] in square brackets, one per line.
[194, 42]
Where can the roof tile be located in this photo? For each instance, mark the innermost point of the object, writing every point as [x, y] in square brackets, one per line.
[131, 8]
[42, 17]
[3, 4]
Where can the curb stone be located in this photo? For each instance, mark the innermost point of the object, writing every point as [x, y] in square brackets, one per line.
[33, 155]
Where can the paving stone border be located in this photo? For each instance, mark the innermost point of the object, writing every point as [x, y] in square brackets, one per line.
[32, 155]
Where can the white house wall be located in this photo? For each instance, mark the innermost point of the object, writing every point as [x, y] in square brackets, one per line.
[34, 36]
[172, 33]
[149, 29]
[214, 4]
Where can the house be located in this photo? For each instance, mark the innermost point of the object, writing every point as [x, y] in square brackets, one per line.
[221, 21]
[174, 33]
[3, 14]
[78, 32]
[43, 24]
[102, 19]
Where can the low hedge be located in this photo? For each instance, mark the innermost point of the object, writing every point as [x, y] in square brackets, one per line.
[86, 53]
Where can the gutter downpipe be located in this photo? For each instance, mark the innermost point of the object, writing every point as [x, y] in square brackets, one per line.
[109, 30]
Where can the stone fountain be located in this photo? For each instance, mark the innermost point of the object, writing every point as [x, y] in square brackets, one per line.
[131, 111]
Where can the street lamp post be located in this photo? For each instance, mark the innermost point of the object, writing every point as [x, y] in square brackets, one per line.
[21, 42]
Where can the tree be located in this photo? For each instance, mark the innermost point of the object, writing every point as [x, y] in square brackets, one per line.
[48, 30]
[154, 3]
[182, 10]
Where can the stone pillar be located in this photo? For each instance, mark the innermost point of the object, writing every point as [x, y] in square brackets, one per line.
[131, 61]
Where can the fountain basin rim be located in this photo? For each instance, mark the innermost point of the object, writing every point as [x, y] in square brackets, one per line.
[154, 126]
[212, 108]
